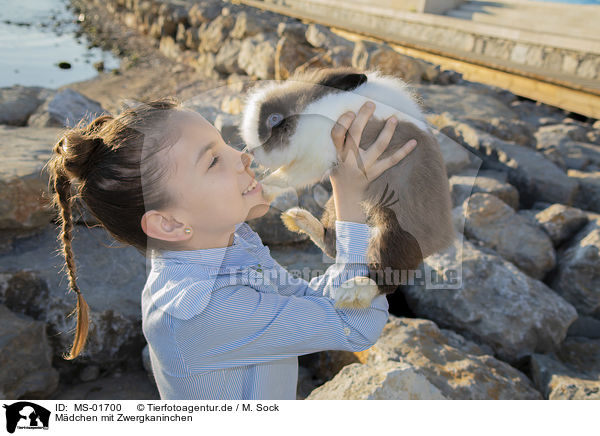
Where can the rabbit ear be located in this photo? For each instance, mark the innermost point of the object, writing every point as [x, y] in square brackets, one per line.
[344, 79]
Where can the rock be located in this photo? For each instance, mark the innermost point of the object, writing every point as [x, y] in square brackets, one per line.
[490, 301]
[585, 326]
[385, 381]
[257, 55]
[459, 368]
[22, 182]
[535, 113]
[226, 59]
[110, 282]
[560, 222]
[231, 105]
[512, 130]
[203, 13]
[485, 181]
[18, 102]
[293, 31]
[588, 197]
[572, 374]
[464, 102]
[321, 37]
[249, 23]
[536, 177]
[495, 224]
[170, 48]
[66, 109]
[205, 64]
[26, 358]
[456, 157]
[128, 385]
[387, 60]
[306, 383]
[578, 273]
[215, 33]
[289, 55]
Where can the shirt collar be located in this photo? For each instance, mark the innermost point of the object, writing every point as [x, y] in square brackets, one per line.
[246, 249]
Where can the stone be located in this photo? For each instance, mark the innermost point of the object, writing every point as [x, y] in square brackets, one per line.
[560, 222]
[128, 385]
[110, 283]
[572, 373]
[456, 157]
[463, 102]
[459, 368]
[490, 302]
[215, 33]
[321, 37]
[66, 108]
[289, 55]
[257, 55]
[248, 23]
[17, 103]
[226, 59]
[384, 381]
[585, 326]
[26, 358]
[203, 13]
[24, 203]
[577, 278]
[588, 197]
[535, 177]
[486, 181]
[495, 224]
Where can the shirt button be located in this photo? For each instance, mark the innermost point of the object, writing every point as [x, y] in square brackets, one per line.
[346, 331]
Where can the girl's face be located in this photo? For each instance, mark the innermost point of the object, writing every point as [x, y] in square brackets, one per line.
[208, 185]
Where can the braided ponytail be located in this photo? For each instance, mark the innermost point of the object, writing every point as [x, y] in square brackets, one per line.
[106, 158]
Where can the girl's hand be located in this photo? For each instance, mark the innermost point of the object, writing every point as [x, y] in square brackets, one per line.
[348, 179]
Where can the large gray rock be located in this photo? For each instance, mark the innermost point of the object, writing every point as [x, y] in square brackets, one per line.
[25, 151]
[536, 177]
[459, 368]
[382, 381]
[17, 103]
[492, 302]
[464, 102]
[26, 358]
[65, 109]
[578, 274]
[588, 197]
[110, 278]
[560, 222]
[495, 224]
[464, 184]
[573, 373]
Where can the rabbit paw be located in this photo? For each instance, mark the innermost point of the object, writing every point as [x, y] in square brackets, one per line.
[357, 293]
[300, 220]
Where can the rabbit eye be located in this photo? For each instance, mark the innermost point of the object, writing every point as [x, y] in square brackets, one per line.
[274, 119]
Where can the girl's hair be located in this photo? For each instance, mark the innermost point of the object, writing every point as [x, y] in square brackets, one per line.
[114, 160]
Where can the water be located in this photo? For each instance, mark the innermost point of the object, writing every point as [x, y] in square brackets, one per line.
[37, 34]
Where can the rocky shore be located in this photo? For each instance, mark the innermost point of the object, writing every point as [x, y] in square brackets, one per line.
[524, 179]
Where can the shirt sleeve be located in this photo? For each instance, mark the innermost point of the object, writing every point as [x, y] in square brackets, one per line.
[242, 326]
[352, 242]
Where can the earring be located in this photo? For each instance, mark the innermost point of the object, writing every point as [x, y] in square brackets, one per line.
[188, 230]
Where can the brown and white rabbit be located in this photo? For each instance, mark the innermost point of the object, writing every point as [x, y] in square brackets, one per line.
[287, 125]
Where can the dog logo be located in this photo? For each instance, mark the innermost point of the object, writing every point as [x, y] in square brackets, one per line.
[26, 415]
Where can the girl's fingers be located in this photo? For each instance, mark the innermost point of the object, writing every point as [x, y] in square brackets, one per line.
[383, 164]
[382, 141]
[338, 132]
[358, 125]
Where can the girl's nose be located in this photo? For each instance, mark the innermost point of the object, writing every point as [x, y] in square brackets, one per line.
[245, 160]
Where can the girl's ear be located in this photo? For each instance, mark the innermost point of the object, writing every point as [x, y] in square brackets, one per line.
[159, 226]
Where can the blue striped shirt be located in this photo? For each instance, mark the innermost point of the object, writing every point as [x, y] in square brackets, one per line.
[228, 323]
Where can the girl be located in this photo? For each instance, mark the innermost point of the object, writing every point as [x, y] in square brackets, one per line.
[222, 318]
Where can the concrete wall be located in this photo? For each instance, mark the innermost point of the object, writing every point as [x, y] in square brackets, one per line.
[428, 6]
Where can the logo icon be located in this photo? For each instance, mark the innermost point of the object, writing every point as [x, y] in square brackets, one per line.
[26, 415]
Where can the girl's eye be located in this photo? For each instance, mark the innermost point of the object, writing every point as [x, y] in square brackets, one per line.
[214, 161]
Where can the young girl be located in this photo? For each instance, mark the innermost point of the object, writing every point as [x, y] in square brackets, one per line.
[222, 318]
